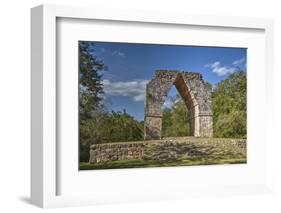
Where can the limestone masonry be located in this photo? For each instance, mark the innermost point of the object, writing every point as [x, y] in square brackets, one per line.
[187, 148]
[195, 92]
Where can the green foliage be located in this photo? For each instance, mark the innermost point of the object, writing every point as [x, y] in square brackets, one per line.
[175, 119]
[229, 106]
[108, 127]
[90, 85]
[90, 91]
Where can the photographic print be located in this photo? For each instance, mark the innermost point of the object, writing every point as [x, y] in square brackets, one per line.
[156, 105]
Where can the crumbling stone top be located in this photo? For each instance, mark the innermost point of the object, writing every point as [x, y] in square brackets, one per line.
[166, 73]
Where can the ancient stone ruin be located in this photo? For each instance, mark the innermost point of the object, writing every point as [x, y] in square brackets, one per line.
[188, 148]
[195, 92]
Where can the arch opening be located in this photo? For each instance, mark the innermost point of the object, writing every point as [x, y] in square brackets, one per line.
[194, 92]
[178, 111]
[175, 116]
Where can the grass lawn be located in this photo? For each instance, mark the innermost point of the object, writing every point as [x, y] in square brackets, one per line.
[146, 164]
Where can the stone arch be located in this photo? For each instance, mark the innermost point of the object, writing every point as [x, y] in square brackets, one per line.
[195, 93]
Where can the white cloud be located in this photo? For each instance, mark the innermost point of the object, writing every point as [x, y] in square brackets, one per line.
[118, 53]
[171, 101]
[168, 103]
[139, 97]
[213, 65]
[134, 89]
[219, 69]
[113, 53]
[238, 62]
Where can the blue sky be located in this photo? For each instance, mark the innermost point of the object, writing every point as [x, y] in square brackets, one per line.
[131, 66]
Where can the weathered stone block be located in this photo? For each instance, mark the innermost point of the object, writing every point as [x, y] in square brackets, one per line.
[152, 127]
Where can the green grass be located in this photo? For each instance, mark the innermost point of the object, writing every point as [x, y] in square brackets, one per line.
[147, 164]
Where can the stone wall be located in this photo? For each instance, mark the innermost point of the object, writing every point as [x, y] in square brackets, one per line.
[115, 151]
[195, 92]
[164, 150]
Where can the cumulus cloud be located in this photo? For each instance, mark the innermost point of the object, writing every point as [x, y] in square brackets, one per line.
[112, 52]
[168, 103]
[118, 53]
[238, 62]
[134, 89]
[219, 69]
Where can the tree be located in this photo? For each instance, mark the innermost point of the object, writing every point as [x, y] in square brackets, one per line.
[175, 119]
[229, 106]
[90, 95]
[108, 128]
[90, 84]
[97, 125]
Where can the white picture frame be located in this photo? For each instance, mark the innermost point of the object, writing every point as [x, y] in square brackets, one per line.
[44, 149]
